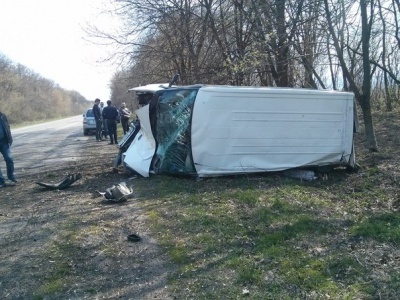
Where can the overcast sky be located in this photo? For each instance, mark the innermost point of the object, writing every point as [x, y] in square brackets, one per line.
[47, 37]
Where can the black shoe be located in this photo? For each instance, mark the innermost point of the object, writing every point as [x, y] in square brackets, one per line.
[111, 143]
[14, 180]
[134, 237]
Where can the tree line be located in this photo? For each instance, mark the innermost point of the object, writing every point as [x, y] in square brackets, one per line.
[26, 96]
[326, 44]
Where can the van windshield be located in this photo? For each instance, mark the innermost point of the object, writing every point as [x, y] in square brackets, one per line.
[173, 117]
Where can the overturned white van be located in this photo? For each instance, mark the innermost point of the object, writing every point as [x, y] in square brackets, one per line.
[223, 130]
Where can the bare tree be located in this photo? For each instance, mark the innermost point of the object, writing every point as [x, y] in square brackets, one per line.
[385, 76]
[121, 82]
[362, 94]
[396, 12]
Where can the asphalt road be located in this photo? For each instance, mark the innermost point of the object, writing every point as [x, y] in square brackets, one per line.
[44, 146]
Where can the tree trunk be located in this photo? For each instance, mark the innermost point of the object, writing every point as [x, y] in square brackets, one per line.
[364, 95]
[365, 99]
[388, 98]
[282, 64]
[370, 137]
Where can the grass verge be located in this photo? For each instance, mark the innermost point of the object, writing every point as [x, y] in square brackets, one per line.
[270, 237]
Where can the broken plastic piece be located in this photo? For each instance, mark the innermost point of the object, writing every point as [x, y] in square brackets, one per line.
[117, 193]
[66, 182]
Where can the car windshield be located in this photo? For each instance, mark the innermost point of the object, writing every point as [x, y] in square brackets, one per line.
[89, 113]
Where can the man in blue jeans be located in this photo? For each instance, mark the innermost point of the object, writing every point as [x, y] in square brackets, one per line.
[5, 144]
[98, 119]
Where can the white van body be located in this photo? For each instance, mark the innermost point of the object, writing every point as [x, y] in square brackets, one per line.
[236, 130]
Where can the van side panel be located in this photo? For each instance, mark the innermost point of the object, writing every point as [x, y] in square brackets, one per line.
[240, 130]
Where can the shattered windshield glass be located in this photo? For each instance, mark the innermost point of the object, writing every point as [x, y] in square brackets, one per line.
[173, 116]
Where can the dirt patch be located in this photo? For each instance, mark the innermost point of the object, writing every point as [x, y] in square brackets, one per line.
[72, 244]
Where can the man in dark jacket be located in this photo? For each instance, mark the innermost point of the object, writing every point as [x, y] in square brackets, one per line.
[98, 119]
[110, 114]
[5, 144]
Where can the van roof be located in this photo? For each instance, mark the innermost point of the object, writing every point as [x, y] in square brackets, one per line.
[152, 88]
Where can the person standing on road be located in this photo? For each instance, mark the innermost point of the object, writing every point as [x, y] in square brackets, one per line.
[5, 144]
[110, 114]
[104, 130]
[98, 119]
[125, 115]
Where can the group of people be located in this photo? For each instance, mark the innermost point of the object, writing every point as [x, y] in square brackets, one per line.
[107, 118]
[106, 125]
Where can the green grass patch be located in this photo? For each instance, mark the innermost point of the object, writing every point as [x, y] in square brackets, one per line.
[275, 237]
[60, 254]
[381, 227]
